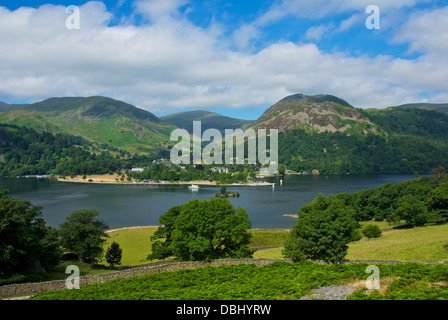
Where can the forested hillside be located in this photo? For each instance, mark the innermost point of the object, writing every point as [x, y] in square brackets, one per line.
[336, 153]
[417, 202]
[24, 151]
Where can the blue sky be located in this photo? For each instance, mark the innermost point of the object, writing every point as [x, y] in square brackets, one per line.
[232, 57]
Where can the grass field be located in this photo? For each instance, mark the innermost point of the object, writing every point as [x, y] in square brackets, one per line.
[136, 244]
[425, 244]
[428, 244]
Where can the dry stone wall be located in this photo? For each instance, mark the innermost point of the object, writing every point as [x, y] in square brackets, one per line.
[33, 288]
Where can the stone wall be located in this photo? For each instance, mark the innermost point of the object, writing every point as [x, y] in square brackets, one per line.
[33, 288]
[26, 289]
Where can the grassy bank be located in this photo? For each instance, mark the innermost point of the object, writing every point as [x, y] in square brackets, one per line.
[136, 244]
[425, 244]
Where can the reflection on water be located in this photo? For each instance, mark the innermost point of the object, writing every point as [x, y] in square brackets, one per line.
[124, 206]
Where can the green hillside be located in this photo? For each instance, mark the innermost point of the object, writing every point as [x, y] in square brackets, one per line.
[99, 119]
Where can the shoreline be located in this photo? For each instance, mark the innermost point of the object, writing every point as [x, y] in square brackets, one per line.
[146, 227]
[107, 180]
[126, 228]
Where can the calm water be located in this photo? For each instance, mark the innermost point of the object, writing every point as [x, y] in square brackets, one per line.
[126, 206]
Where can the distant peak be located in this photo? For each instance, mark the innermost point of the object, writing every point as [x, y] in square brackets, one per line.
[316, 99]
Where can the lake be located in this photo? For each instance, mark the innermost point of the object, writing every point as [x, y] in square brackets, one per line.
[138, 205]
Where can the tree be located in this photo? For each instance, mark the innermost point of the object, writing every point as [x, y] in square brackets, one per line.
[281, 169]
[201, 230]
[371, 231]
[323, 230]
[223, 190]
[412, 210]
[162, 249]
[439, 170]
[439, 201]
[25, 240]
[51, 248]
[83, 234]
[113, 254]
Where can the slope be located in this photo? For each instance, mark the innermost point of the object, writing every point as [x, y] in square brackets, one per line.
[440, 107]
[99, 119]
[318, 113]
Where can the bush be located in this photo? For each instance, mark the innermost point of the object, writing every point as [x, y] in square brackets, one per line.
[356, 235]
[371, 231]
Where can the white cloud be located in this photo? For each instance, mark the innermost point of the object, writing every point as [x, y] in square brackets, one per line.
[245, 34]
[316, 32]
[427, 32]
[171, 63]
[351, 21]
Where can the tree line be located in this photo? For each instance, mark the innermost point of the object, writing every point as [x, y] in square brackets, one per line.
[157, 171]
[339, 153]
[24, 151]
[29, 246]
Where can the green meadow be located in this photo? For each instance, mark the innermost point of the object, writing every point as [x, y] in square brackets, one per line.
[421, 244]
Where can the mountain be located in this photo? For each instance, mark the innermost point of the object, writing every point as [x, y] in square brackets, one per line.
[4, 106]
[103, 120]
[8, 107]
[326, 134]
[208, 120]
[317, 113]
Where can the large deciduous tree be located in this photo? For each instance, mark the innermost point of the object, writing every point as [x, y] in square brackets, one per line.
[323, 230]
[84, 234]
[201, 230]
[25, 240]
[162, 238]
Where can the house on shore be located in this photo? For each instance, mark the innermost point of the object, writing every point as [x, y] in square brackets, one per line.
[220, 169]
